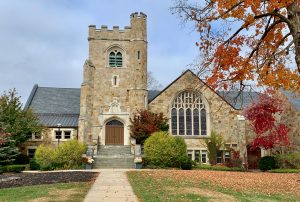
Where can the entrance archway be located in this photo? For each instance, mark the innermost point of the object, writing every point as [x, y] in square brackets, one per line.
[114, 133]
[253, 156]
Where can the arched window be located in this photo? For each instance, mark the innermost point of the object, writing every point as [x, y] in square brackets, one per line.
[119, 60]
[188, 115]
[174, 121]
[114, 123]
[112, 57]
[115, 59]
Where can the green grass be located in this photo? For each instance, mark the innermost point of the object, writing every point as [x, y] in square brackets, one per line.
[150, 188]
[285, 170]
[217, 168]
[72, 192]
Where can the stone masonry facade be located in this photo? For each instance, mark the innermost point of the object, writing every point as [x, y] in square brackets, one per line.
[113, 89]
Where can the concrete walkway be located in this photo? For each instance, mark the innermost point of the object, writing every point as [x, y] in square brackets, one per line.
[111, 185]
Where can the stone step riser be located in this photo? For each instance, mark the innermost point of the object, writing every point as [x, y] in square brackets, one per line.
[113, 167]
[114, 163]
[114, 153]
[114, 157]
[108, 162]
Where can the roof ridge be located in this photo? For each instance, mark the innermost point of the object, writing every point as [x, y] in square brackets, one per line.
[31, 95]
[59, 88]
[58, 114]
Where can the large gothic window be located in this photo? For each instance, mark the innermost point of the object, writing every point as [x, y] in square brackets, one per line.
[115, 59]
[188, 115]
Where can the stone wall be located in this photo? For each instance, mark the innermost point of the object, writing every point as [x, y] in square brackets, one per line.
[48, 138]
[221, 116]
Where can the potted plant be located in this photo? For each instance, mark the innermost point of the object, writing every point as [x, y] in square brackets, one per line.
[88, 161]
[138, 162]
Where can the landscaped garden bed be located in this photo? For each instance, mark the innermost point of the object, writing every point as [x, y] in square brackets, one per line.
[26, 179]
[205, 185]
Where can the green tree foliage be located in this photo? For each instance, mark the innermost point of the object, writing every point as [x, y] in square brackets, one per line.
[67, 155]
[144, 123]
[15, 120]
[164, 150]
[8, 149]
[213, 144]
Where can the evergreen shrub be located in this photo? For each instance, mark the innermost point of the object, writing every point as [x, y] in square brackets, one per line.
[268, 163]
[164, 150]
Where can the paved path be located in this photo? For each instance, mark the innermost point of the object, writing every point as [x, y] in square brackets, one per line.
[111, 185]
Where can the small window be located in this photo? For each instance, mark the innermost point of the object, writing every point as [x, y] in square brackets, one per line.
[139, 55]
[234, 145]
[204, 156]
[190, 154]
[197, 155]
[67, 134]
[115, 81]
[227, 156]
[37, 136]
[30, 153]
[58, 134]
[219, 156]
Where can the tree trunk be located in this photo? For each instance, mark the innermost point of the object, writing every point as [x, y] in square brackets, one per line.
[294, 26]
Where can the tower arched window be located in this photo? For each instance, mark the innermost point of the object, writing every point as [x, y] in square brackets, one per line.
[188, 115]
[115, 59]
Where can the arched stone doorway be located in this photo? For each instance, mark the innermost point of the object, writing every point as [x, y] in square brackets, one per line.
[253, 156]
[114, 133]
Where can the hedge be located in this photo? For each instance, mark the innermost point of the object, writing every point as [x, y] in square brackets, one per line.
[68, 155]
[13, 168]
[164, 150]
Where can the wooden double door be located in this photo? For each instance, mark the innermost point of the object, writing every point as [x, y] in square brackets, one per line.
[114, 133]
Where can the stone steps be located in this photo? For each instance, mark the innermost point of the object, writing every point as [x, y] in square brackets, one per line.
[114, 157]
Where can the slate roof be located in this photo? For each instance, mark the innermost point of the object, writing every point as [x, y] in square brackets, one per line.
[152, 94]
[54, 100]
[293, 99]
[62, 105]
[238, 99]
[66, 120]
[55, 105]
[59, 105]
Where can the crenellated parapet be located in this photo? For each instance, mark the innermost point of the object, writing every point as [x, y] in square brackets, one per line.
[136, 30]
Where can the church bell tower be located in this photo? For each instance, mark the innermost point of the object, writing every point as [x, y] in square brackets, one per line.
[114, 82]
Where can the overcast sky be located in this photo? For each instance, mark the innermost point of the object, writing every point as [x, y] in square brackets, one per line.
[44, 42]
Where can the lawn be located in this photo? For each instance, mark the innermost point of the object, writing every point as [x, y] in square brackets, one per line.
[203, 185]
[74, 191]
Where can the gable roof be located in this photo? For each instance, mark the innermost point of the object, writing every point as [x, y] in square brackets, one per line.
[55, 105]
[235, 99]
[54, 100]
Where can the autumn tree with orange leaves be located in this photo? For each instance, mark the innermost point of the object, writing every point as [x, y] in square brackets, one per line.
[247, 41]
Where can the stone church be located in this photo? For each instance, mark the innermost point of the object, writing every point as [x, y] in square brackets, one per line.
[115, 86]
